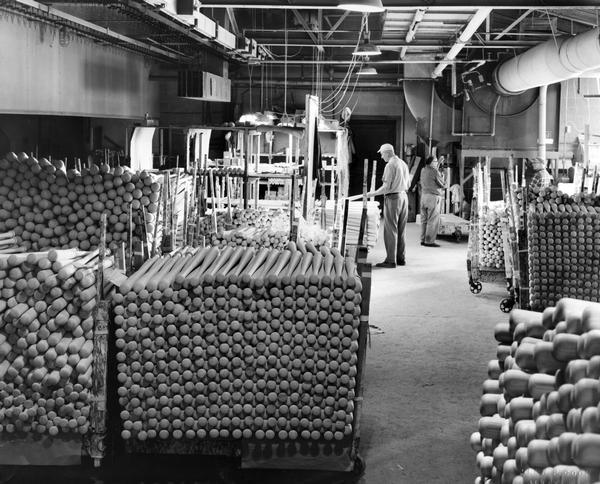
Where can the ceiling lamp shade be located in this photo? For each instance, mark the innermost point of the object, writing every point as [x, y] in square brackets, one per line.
[367, 48]
[364, 6]
[367, 71]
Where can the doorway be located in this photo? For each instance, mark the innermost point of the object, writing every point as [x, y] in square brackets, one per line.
[368, 135]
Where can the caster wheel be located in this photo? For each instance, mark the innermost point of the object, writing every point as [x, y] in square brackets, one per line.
[506, 305]
[476, 287]
[359, 466]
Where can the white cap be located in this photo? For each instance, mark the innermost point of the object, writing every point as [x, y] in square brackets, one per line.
[386, 147]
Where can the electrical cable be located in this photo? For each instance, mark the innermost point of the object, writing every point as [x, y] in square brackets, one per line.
[331, 106]
[250, 69]
[331, 98]
[338, 93]
[333, 109]
[290, 56]
[285, 64]
[342, 84]
[335, 92]
[262, 87]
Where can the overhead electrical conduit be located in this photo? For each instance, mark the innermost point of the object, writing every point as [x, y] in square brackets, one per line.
[555, 60]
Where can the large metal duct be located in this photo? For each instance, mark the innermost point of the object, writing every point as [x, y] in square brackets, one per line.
[553, 61]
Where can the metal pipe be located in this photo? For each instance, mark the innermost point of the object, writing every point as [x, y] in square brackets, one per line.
[464, 37]
[431, 116]
[398, 45]
[491, 132]
[371, 62]
[553, 61]
[397, 5]
[542, 122]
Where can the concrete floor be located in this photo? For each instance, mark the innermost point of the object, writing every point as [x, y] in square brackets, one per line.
[424, 372]
[423, 381]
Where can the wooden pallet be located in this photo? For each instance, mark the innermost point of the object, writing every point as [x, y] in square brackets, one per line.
[277, 454]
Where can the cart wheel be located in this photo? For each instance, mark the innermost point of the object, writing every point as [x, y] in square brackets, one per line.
[506, 305]
[359, 466]
[458, 236]
[476, 287]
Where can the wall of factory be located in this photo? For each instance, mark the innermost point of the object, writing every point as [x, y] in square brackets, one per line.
[181, 112]
[364, 102]
[64, 137]
[568, 112]
[576, 111]
[63, 74]
[513, 132]
[56, 136]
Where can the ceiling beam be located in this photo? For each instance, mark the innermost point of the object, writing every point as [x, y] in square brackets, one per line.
[471, 28]
[514, 24]
[393, 84]
[419, 60]
[389, 44]
[572, 18]
[84, 27]
[412, 30]
[404, 4]
[172, 22]
[233, 21]
[336, 25]
[308, 30]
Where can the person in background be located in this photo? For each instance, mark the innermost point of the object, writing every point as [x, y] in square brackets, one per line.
[432, 184]
[541, 178]
[395, 208]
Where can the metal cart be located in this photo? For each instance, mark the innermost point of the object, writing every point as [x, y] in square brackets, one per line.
[476, 271]
[453, 226]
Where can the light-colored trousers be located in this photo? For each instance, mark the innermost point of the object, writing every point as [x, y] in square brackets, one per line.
[395, 215]
[430, 217]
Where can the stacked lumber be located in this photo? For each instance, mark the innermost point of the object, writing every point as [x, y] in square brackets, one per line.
[563, 244]
[251, 237]
[9, 243]
[46, 341]
[353, 225]
[540, 416]
[48, 206]
[239, 343]
[243, 218]
[491, 249]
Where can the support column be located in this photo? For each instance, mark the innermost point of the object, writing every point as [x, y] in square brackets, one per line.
[542, 122]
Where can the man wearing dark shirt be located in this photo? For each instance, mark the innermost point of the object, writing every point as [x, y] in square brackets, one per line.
[432, 184]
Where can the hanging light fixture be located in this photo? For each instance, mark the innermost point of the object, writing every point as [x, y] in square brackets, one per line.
[367, 71]
[364, 6]
[366, 47]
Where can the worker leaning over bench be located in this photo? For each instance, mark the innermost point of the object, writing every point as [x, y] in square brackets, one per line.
[395, 209]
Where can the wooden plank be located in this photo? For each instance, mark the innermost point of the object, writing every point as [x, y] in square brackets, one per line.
[524, 302]
[301, 455]
[364, 271]
[216, 447]
[98, 413]
[363, 216]
[476, 153]
[343, 228]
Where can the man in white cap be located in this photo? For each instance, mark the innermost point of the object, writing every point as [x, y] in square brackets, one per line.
[395, 209]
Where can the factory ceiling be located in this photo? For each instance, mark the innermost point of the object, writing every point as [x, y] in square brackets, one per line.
[312, 38]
